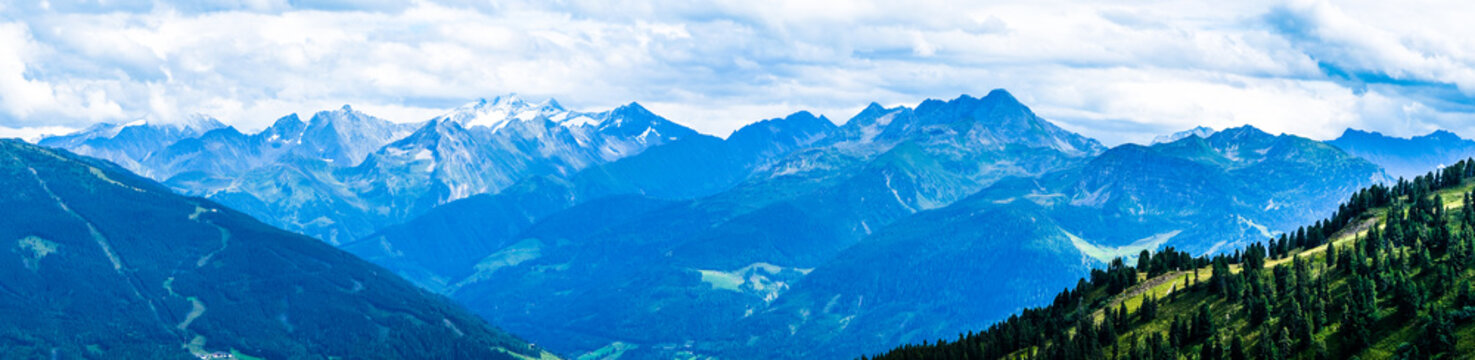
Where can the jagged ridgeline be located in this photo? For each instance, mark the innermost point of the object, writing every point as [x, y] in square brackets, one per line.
[1388, 276]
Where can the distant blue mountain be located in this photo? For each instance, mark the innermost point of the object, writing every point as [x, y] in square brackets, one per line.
[938, 273]
[1406, 157]
[344, 174]
[664, 273]
[132, 143]
[773, 258]
[1237, 185]
[1199, 131]
[441, 249]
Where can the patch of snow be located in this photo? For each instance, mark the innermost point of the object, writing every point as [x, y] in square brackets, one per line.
[497, 113]
[897, 196]
[1201, 131]
[1066, 147]
[580, 120]
[1232, 153]
[395, 152]
[427, 156]
[1095, 198]
[885, 120]
[869, 132]
[787, 170]
[645, 137]
[1045, 200]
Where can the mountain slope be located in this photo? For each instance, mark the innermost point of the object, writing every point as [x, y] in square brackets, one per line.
[287, 174]
[1406, 158]
[1387, 276]
[131, 144]
[486, 146]
[343, 137]
[443, 247]
[1201, 195]
[440, 248]
[221, 154]
[971, 263]
[105, 263]
[686, 273]
[899, 284]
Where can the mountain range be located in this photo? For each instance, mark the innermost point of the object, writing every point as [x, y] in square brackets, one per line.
[344, 174]
[982, 255]
[130, 144]
[1406, 157]
[690, 269]
[623, 234]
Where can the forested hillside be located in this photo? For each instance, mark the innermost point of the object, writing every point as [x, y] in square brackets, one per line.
[104, 264]
[1388, 276]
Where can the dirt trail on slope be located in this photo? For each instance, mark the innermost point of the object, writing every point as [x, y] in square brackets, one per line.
[1145, 286]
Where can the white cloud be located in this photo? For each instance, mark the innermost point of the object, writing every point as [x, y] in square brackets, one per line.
[1388, 39]
[1119, 72]
[33, 134]
[25, 97]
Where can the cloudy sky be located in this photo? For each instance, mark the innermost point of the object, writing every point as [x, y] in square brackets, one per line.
[1120, 73]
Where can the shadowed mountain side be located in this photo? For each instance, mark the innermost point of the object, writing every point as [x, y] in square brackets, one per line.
[103, 263]
[922, 278]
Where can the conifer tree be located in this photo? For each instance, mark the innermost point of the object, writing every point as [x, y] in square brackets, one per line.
[1438, 338]
[1407, 351]
[1203, 323]
[1148, 310]
[1359, 311]
[1331, 255]
[1237, 349]
[1407, 296]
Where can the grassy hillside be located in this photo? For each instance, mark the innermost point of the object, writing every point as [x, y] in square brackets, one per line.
[1387, 277]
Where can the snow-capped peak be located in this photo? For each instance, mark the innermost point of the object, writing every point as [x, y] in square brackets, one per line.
[631, 112]
[193, 124]
[200, 122]
[197, 122]
[496, 112]
[1201, 131]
